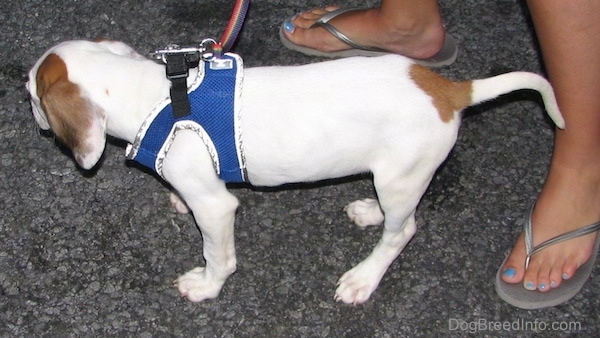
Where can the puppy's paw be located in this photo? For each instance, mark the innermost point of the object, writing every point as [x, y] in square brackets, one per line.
[196, 286]
[365, 212]
[178, 204]
[356, 286]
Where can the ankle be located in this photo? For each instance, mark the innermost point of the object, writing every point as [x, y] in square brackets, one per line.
[569, 193]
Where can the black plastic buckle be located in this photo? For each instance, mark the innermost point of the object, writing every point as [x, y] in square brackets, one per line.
[177, 68]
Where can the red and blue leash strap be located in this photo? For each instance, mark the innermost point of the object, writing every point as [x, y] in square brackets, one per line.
[233, 27]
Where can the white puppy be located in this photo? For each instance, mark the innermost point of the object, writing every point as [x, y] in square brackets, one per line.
[385, 115]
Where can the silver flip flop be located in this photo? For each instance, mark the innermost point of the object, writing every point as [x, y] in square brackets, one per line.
[517, 295]
[446, 56]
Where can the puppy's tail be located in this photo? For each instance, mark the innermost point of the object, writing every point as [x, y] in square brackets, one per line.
[490, 88]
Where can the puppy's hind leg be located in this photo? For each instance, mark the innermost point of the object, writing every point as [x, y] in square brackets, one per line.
[177, 203]
[398, 197]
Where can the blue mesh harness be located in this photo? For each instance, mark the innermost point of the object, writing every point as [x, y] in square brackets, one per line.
[214, 99]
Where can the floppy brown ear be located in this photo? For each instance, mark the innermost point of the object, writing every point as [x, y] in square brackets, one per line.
[74, 119]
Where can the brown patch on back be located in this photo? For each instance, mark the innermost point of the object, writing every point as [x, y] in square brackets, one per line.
[68, 112]
[448, 96]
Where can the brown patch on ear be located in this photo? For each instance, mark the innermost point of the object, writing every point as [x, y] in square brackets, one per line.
[52, 70]
[71, 116]
[448, 96]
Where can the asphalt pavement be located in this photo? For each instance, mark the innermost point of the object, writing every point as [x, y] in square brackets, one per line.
[94, 254]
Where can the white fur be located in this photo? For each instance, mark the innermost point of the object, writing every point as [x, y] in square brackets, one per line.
[303, 123]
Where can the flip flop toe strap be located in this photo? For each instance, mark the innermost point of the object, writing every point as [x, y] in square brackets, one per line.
[531, 249]
[324, 22]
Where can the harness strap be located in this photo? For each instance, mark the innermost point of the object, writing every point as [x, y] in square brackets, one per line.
[177, 72]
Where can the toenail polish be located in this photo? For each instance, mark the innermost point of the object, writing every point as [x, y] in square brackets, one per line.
[289, 27]
[510, 273]
[553, 284]
[529, 286]
[542, 286]
[565, 276]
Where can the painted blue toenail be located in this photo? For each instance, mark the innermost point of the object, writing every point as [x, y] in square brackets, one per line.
[542, 286]
[565, 276]
[289, 27]
[529, 286]
[553, 284]
[510, 273]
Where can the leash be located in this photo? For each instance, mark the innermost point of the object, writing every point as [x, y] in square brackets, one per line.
[209, 48]
[179, 60]
[234, 26]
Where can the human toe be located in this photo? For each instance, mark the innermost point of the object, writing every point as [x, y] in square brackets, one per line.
[317, 37]
[556, 275]
[513, 270]
[543, 279]
[531, 279]
[308, 18]
[569, 270]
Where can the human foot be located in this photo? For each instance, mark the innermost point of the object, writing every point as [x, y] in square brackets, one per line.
[568, 201]
[417, 38]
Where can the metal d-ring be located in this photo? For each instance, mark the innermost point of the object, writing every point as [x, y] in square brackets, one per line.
[207, 50]
[211, 49]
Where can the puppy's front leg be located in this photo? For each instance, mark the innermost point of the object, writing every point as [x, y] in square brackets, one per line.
[188, 167]
[215, 217]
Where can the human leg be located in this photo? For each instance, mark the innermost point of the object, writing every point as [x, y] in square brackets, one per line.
[569, 35]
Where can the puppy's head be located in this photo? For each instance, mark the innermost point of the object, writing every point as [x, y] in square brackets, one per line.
[64, 107]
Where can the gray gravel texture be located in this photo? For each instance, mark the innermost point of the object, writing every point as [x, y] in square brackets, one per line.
[94, 254]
